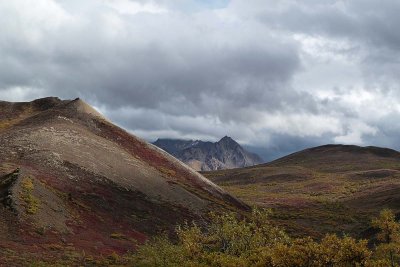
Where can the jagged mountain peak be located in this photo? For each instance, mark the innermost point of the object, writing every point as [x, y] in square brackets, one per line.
[227, 140]
[228, 143]
[206, 156]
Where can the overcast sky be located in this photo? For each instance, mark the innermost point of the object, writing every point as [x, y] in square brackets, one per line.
[281, 75]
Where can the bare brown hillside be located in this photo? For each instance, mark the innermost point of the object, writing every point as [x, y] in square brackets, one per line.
[71, 181]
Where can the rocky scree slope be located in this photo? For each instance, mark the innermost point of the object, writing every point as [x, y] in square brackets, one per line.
[70, 181]
[207, 156]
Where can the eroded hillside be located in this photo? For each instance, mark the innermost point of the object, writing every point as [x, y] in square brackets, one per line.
[71, 181]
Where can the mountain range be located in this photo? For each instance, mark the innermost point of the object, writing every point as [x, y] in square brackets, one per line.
[208, 156]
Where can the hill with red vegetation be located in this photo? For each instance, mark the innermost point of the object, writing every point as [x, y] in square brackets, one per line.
[331, 188]
[73, 182]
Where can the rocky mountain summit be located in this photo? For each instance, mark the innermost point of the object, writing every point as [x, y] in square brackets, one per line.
[208, 156]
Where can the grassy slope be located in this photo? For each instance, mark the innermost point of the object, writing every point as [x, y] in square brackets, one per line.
[325, 189]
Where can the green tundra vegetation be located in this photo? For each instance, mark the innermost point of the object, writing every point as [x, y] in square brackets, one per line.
[254, 241]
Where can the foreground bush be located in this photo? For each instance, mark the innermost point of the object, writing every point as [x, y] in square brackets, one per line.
[229, 241]
[253, 241]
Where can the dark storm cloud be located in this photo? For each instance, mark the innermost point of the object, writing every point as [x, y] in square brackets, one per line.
[278, 74]
[154, 61]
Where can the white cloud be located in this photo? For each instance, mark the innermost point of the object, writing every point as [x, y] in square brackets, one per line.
[355, 133]
[132, 7]
[18, 93]
[30, 20]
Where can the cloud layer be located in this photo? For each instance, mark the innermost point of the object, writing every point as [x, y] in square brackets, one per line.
[281, 75]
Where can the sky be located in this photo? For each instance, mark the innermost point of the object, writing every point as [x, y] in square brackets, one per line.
[277, 76]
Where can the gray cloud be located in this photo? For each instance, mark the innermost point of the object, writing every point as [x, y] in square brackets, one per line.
[369, 27]
[278, 74]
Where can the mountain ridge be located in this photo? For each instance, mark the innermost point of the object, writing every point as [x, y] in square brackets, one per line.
[207, 156]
